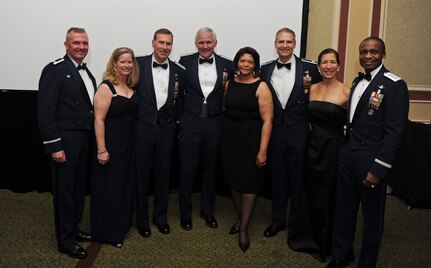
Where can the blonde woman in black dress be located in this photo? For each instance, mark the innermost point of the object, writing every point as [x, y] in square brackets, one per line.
[245, 137]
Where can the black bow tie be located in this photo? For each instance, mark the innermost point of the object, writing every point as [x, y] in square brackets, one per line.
[210, 60]
[163, 65]
[281, 65]
[82, 66]
[366, 76]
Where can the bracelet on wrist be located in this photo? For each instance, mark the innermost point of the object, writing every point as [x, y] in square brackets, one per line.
[101, 151]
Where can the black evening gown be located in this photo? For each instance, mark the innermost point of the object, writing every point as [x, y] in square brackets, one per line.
[315, 222]
[111, 194]
[241, 138]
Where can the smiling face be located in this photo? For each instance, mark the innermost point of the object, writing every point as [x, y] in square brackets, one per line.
[371, 54]
[162, 46]
[246, 65]
[328, 65]
[205, 43]
[124, 64]
[285, 43]
[76, 45]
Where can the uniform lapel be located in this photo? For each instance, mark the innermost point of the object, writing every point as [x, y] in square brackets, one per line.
[268, 78]
[78, 79]
[297, 86]
[365, 98]
[195, 72]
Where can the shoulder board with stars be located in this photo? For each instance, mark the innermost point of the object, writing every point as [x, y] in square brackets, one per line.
[57, 61]
[268, 62]
[187, 54]
[392, 76]
[179, 65]
[309, 61]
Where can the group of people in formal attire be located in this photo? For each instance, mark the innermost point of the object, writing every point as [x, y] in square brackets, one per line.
[327, 147]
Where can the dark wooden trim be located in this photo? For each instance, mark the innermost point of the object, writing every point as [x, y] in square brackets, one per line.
[375, 21]
[342, 37]
[420, 95]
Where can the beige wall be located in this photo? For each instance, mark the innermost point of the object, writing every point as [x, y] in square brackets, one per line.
[320, 27]
[407, 33]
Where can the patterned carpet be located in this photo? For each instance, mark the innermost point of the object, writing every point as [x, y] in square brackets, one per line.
[27, 239]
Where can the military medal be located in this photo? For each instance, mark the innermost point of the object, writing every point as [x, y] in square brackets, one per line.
[307, 82]
[177, 85]
[376, 99]
[224, 78]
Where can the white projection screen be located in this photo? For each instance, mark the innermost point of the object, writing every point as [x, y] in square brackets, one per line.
[32, 32]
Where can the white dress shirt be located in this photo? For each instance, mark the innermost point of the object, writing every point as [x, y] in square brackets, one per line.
[207, 77]
[160, 83]
[283, 80]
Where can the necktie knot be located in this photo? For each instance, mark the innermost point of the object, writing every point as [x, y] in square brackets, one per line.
[163, 65]
[82, 66]
[365, 75]
[281, 65]
[210, 60]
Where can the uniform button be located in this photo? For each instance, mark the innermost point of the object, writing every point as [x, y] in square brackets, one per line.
[79, 112]
[79, 123]
[362, 143]
[91, 112]
[77, 103]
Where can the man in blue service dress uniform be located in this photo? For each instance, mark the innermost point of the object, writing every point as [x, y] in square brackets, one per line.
[201, 123]
[65, 115]
[289, 79]
[377, 117]
[160, 84]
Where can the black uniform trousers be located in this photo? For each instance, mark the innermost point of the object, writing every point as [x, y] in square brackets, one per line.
[353, 166]
[154, 148]
[199, 146]
[287, 151]
[70, 185]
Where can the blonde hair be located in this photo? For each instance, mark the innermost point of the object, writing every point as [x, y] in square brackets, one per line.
[112, 75]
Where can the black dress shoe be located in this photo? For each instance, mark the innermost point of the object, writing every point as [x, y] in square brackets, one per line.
[273, 230]
[210, 221]
[117, 244]
[164, 228]
[235, 228]
[83, 237]
[186, 224]
[145, 231]
[244, 242]
[244, 246]
[76, 252]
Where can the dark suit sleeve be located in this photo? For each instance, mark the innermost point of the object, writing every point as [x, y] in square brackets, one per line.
[396, 117]
[49, 88]
[179, 104]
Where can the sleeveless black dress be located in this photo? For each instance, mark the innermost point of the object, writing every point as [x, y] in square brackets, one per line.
[241, 138]
[111, 195]
[316, 219]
